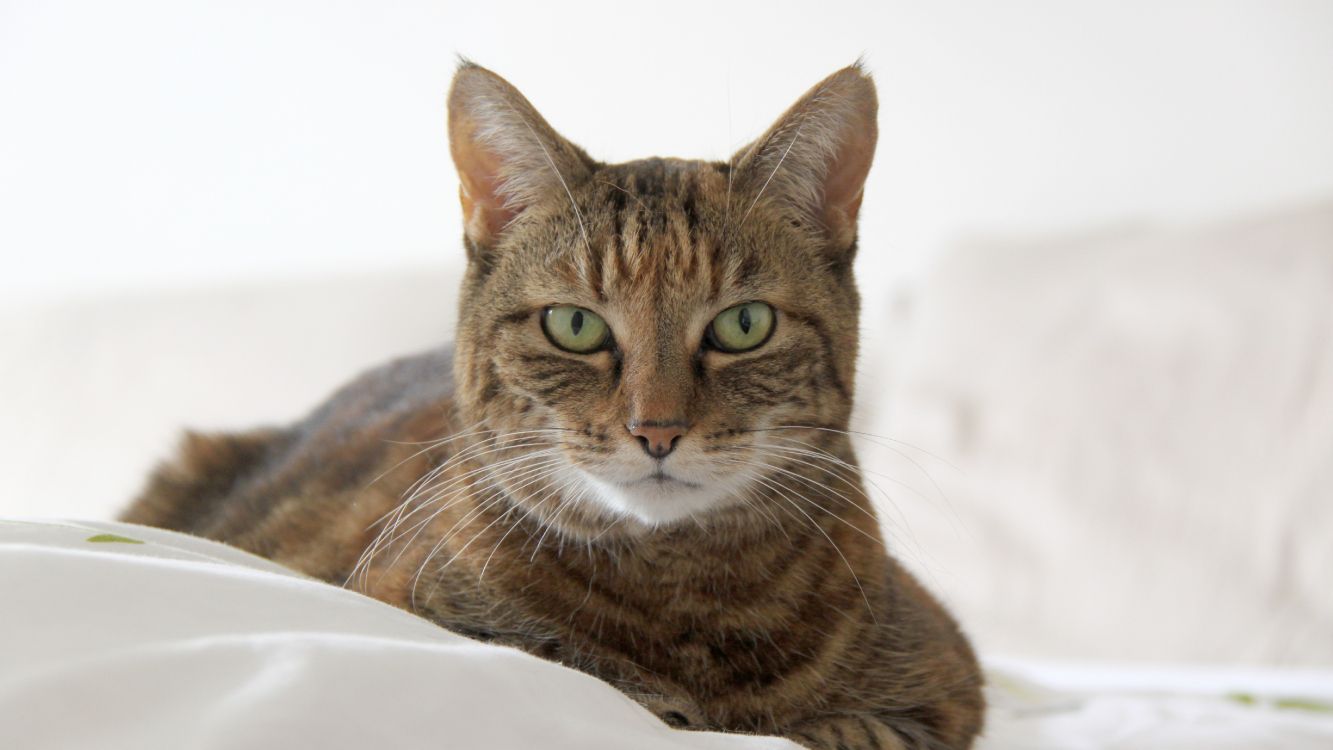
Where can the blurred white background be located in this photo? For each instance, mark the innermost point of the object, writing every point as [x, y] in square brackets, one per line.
[163, 143]
[211, 214]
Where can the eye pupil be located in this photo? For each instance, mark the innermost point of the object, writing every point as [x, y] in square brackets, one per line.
[576, 322]
[741, 328]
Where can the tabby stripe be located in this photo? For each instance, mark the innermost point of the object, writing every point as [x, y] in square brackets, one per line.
[838, 737]
[595, 255]
[826, 343]
[690, 231]
[872, 736]
[618, 197]
[629, 238]
[809, 739]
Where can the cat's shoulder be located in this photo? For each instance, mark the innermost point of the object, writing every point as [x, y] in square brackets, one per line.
[404, 385]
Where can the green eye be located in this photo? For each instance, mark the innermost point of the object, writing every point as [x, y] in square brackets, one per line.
[742, 328]
[574, 329]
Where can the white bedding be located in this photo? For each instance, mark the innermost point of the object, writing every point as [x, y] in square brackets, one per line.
[123, 636]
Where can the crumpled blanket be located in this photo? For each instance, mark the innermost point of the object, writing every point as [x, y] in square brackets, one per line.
[121, 636]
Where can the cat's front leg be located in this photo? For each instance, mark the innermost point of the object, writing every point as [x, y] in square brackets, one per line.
[847, 732]
[675, 711]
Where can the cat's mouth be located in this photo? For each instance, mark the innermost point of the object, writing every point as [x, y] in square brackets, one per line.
[660, 497]
[660, 478]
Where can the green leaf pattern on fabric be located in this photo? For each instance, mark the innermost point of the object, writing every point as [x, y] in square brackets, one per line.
[113, 538]
[1291, 704]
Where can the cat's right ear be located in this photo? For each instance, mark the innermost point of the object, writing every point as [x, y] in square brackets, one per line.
[813, 162]
[508, 158]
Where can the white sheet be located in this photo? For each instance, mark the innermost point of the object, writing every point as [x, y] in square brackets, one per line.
[176, 642]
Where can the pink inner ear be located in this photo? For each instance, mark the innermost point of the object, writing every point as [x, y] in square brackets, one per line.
[845, 185]
[485, 214]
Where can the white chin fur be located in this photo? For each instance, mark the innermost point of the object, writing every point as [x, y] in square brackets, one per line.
[656, 504]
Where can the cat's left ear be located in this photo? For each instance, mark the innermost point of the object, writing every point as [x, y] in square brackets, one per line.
[814, 160]
[508, 158]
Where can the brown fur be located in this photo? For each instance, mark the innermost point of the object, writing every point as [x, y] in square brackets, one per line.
[772, 607]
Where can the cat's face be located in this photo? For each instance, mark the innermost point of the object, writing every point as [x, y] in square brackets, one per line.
[643, 331]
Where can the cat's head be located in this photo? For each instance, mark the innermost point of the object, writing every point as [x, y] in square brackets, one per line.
[641, 331]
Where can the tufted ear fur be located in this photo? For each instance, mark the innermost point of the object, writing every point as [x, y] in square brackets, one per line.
[508, 158]
[813, 161]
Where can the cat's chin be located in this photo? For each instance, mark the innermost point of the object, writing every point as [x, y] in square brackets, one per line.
[658, 500]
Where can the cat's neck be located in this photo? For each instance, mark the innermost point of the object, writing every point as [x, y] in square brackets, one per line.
[741, 541]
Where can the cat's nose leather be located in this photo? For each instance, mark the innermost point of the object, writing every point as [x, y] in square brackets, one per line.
[656, 438]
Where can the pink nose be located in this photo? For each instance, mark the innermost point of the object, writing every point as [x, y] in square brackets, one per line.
[657, 438]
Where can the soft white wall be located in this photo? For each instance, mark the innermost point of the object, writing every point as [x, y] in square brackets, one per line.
[165, 143]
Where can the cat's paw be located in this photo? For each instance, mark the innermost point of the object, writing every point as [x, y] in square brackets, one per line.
[846, 732]
[675, 712]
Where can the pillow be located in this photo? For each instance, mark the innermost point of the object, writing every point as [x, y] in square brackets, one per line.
[1121, 446]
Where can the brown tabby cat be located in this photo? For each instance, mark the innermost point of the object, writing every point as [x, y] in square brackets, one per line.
[633, 461]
